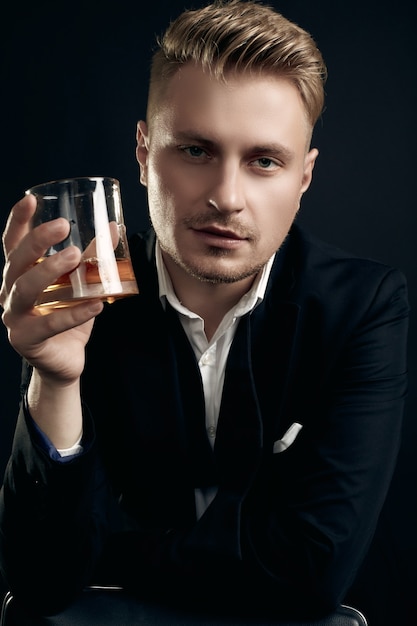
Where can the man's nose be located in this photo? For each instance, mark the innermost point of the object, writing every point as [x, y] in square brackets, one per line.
[226, 193]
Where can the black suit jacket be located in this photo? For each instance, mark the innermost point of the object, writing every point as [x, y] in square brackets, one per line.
[326, 349]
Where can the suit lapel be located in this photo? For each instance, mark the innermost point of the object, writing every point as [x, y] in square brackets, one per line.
[239, 431]
[190, 403]
[274, 333]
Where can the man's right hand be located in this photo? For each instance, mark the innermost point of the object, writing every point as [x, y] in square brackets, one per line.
[54, 344]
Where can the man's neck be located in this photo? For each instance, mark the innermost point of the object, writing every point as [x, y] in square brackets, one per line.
[211, 301]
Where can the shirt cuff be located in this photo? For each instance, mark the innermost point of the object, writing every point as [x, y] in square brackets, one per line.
[74, 450]
[61, 455]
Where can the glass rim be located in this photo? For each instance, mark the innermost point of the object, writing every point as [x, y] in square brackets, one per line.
[63, 181]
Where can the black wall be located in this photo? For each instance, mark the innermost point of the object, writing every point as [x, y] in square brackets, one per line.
[73, 85]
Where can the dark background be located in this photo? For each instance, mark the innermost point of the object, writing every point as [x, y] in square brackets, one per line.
[73, 85]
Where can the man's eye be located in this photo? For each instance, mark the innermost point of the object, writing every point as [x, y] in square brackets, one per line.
[194, 151]
[265, 163]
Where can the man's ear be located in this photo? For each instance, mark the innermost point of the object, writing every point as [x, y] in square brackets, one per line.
[309, 162]
[142, 143]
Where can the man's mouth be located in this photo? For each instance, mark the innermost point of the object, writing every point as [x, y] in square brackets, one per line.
[217, 231]
[217, 237]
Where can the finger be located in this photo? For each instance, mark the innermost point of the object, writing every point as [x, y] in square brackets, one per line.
[56, 321]
[18, 230]
[91, 249]
[18, 223]
[34, 245]
[31, 248]
[29, 285]
[34, 328]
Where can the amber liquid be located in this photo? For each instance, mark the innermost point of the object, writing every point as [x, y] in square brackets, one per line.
[61, 293]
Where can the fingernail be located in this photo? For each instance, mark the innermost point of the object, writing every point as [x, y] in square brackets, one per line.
[56, 225]
[95, 307]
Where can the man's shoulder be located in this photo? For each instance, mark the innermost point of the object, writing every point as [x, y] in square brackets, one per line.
[314, 265]
[312, 254]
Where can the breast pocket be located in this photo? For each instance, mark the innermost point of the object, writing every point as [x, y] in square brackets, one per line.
[289, 437]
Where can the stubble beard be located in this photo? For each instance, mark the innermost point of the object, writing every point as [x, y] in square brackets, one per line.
[213, 275]
[203, 272]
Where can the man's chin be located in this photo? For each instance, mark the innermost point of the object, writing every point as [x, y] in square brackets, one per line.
[222, 275]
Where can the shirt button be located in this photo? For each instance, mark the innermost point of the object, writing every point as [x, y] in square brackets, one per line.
[211, 430]
[207, 359]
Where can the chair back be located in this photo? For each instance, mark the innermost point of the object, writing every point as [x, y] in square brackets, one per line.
[111, 606]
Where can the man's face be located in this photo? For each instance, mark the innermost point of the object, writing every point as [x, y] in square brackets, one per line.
[225, 165]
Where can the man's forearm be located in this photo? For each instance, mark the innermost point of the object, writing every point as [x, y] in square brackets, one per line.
[56, 409]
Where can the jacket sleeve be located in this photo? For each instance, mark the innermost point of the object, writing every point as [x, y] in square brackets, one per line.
[53, 517]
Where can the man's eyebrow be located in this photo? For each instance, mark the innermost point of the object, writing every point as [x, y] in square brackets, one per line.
[274, 149]
[190, 136]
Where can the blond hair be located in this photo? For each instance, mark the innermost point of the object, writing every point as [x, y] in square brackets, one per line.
[240, 36]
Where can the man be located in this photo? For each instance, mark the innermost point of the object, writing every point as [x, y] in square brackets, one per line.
[230, 433]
